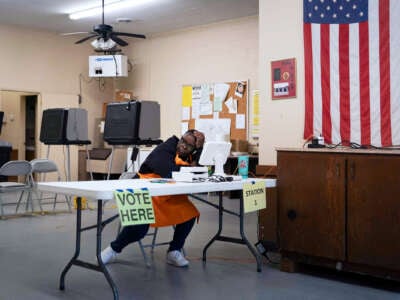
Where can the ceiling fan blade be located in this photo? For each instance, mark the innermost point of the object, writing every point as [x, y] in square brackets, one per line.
[86, 38]
[74, 33]
[140, 36]
[118, 40]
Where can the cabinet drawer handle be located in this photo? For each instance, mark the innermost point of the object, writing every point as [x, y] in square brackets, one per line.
[291, 214]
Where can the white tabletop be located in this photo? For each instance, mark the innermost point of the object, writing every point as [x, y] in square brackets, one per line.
[104, 189]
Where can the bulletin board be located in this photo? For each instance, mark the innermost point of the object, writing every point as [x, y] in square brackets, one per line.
[226, 100]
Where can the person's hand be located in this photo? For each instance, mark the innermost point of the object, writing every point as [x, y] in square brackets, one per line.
[194, 163]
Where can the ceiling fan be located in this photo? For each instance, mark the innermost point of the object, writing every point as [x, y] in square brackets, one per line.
[106, 38]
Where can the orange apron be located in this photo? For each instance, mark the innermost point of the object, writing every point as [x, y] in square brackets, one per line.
[171, 210]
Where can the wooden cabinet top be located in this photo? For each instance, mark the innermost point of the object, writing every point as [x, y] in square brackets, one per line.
[342, 150]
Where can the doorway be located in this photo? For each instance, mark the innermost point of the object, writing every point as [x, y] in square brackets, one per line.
[20, 123]
[30, 126]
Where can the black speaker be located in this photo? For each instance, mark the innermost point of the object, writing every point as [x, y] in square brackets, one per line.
[132, 123]
[61, 126]
[54, 126]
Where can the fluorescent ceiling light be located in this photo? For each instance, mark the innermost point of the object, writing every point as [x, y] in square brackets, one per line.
[109, 6]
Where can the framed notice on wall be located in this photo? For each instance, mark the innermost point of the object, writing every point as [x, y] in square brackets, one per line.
[283, 79]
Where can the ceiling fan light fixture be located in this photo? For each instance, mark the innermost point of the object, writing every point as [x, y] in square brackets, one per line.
[108, 7]
[100, 44]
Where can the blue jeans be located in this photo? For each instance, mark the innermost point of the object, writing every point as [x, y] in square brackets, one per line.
[134, 233]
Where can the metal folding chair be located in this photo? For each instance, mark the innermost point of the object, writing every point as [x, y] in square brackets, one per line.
[16, 168]
[42, 167]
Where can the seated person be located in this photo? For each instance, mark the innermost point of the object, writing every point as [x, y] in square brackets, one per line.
[169, 210]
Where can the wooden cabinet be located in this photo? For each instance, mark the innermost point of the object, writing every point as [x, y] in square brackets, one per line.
[373, 210]
[340, 209]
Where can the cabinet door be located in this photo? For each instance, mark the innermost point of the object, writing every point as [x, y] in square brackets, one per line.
[374, 210]
[311, 197]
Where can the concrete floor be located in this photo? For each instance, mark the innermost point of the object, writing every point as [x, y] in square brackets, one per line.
[34, 250]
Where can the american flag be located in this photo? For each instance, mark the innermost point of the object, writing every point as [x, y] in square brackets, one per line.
[352, 71]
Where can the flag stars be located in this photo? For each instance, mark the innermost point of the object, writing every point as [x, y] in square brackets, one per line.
[328, 8]
[309, 15]
[334, 16]
[354, 7]
[322, 16]
[361, 14]
[340, 7]
[347, 15]
[316, 7]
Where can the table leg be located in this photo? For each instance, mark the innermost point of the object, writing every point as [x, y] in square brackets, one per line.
[98, 249]
[77, 242]
[218, 234]
[75, 261]
[244, 238]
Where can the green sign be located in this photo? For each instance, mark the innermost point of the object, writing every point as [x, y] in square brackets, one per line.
[254, 196]
[134, 206]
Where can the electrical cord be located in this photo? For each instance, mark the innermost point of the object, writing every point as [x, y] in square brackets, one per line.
[116, 66]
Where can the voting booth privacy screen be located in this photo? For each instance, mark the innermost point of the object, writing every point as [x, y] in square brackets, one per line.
[61, 126]
[132, 123]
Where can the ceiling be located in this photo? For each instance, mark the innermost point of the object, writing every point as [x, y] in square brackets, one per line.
[153, 18]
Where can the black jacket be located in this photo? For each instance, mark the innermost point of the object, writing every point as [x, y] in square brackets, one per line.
[161, 160]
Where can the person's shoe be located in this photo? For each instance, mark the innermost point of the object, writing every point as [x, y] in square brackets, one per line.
[177, 259]
[108, 255]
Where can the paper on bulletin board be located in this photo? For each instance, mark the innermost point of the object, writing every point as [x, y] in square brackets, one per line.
[240, 86]
[240, 121]
[134, 206]
[214, 129]
[195, 109]
[185, 113]
[254, 197]
[206, 108]
[205, 93]
[231, 104]
[187, 96]
[196, 92]
[220, 91]
[184, 127]
[217, 104]
[255, 102]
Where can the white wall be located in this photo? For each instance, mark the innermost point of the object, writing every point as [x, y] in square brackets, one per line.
[46, 63]
[281, 36]
[226, 51]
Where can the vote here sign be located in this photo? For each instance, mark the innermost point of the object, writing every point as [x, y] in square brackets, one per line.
[134, 206]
